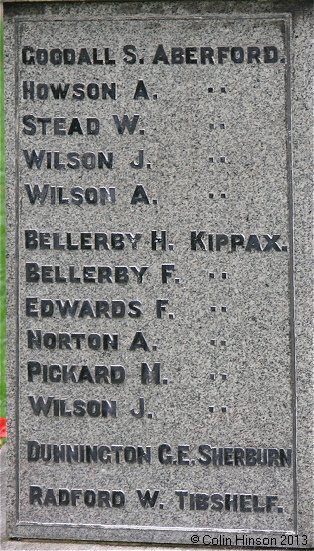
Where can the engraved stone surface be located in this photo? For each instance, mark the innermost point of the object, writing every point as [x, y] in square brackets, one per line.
[159, 239]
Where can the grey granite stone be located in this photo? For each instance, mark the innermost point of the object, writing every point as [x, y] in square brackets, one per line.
[32, 545]
[220, 433]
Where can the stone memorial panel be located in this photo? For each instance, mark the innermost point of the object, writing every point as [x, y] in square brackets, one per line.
[159, 302]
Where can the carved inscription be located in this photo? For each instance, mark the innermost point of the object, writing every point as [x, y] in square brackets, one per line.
[154, 273]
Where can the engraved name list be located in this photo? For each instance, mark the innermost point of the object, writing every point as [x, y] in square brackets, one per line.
[155, 276]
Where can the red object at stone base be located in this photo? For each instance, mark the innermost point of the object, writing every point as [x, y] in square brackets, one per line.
[3, 427]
